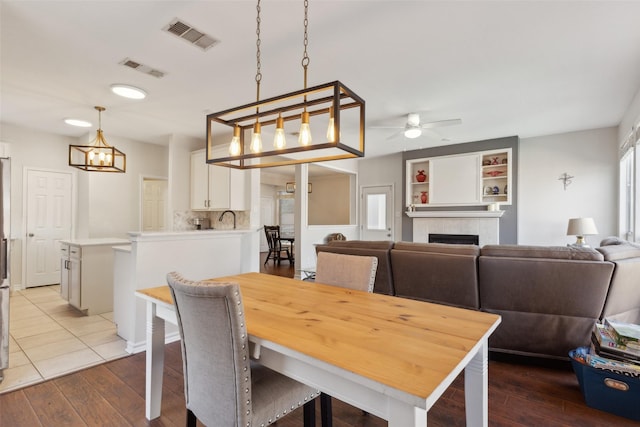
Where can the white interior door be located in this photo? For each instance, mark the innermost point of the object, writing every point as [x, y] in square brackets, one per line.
[154, 204]
[48, 213]
[377, 213]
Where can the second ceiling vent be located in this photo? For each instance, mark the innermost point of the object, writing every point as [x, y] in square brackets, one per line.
[188, 33]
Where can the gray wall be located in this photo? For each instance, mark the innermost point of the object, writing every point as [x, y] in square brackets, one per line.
[508, 221]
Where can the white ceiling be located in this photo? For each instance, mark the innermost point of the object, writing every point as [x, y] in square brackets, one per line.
[504, 67]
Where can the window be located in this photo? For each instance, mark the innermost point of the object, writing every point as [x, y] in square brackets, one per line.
[629, 219]
[376, 209]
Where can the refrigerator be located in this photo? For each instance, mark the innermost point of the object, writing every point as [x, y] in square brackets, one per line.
[5, 224]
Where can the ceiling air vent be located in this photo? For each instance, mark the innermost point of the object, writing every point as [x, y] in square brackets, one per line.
[190, 34]
[142, 68]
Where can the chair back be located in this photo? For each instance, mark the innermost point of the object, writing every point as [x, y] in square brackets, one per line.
[215, 344]
[348, 271]
[272, 233]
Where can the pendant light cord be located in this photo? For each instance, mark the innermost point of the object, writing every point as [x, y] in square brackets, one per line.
[305, 42]
[258, 64]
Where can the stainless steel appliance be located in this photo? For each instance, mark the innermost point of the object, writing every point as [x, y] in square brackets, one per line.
[5, 224]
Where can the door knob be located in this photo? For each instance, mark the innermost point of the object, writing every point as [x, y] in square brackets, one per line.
[31, 234]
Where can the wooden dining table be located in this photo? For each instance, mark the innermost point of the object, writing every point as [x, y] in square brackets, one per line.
[390, 356]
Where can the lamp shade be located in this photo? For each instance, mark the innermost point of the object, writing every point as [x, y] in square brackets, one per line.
[581, 227]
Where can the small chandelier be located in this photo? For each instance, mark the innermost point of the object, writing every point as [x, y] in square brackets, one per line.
[97, 156]
[314, 114]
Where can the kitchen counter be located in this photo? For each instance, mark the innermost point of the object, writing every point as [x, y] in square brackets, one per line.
[196, 254]
[96, 242]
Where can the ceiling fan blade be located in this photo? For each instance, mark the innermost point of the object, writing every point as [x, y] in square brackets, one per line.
[395, 135]
[386, 127]
[441, 123]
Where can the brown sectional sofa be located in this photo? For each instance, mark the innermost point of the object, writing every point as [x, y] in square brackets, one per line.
[548, 296]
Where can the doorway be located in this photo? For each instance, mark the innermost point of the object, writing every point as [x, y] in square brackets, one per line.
[48, 221]
[377, 213]
[154, 204]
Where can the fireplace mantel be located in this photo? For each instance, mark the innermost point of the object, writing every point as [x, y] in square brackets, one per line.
[454, 214]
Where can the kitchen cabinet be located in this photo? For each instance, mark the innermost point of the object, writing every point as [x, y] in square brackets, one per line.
[478, 178]
[216, 187]
[86, 274]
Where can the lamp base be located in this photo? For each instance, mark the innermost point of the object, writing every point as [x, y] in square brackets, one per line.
[581, 242]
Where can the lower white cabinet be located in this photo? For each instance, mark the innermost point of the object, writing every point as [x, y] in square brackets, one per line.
[87, 274]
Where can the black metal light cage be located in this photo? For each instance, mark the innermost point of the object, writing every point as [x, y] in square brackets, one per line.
[79, 158]
[318, 101]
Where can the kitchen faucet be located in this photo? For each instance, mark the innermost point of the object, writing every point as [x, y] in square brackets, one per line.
[234, 217]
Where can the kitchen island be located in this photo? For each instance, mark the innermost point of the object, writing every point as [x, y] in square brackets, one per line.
[196, 254]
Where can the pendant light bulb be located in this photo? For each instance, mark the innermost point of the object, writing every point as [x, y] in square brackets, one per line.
[234, 146]
[256, 139]
[304, 138]
[280, 141]
[331, 128]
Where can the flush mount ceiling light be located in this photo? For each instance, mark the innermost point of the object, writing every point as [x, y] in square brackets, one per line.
[78, 123]
[128, 91]
[97, 156]
[314, 113]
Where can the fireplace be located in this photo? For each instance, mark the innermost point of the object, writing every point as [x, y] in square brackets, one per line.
[464, 239]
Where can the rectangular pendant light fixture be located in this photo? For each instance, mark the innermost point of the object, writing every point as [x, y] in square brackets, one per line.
[334, 113]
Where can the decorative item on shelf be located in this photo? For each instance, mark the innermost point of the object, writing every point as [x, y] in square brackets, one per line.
[411, 208]
[505, 189]
[496, 190]
[324, 105]
[495, 161]
[421, 177]
[290, 187]
[97, 156]
[504, 161]
[493, 174]
[424, 197]
[486, 162]
[488, 190]
[581, 227]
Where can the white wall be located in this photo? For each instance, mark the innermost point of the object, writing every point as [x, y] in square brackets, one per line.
[545, 207]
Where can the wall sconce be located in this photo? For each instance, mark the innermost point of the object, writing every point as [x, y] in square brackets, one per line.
[290, 187]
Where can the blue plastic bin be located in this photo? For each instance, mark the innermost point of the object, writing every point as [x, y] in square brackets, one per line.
[608, 391]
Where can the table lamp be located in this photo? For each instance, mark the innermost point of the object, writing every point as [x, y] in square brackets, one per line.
[581, 227]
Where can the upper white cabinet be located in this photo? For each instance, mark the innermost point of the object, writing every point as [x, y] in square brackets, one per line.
[478, 178]
[216, 187]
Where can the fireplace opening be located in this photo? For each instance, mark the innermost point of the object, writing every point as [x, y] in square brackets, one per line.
[464, 239]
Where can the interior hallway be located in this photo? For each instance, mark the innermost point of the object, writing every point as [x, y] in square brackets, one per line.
[49, 338]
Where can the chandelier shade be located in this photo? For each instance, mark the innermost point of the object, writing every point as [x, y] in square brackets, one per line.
[330, 104]
[97, 156]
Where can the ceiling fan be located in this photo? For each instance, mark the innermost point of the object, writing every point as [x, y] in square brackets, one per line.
[413, 128]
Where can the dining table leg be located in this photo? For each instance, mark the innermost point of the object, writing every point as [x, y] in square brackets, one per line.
[476, 387]
[155, 362]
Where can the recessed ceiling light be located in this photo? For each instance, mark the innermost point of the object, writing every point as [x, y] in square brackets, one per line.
[78, 122]
[128, 91]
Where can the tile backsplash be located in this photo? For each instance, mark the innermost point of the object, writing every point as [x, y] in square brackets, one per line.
[183, 220]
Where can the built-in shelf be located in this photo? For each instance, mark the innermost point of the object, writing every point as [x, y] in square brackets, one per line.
[454, 214]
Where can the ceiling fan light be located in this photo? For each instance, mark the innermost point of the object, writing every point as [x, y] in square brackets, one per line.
[412, 132]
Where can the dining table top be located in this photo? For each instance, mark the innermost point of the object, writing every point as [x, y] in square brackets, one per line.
[409, 345]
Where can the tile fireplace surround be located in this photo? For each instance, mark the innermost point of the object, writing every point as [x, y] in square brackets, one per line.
[485, 224]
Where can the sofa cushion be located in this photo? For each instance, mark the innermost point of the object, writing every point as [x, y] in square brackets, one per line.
[553, 252]
[436, 272]
[619, 251]
[441, 248]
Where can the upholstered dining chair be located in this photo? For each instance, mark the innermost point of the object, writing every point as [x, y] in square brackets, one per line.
[222, 386]
[348, 271]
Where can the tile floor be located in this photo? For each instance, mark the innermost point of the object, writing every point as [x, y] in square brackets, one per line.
[49, 338]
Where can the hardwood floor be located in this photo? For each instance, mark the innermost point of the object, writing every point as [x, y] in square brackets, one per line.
[521, 393]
